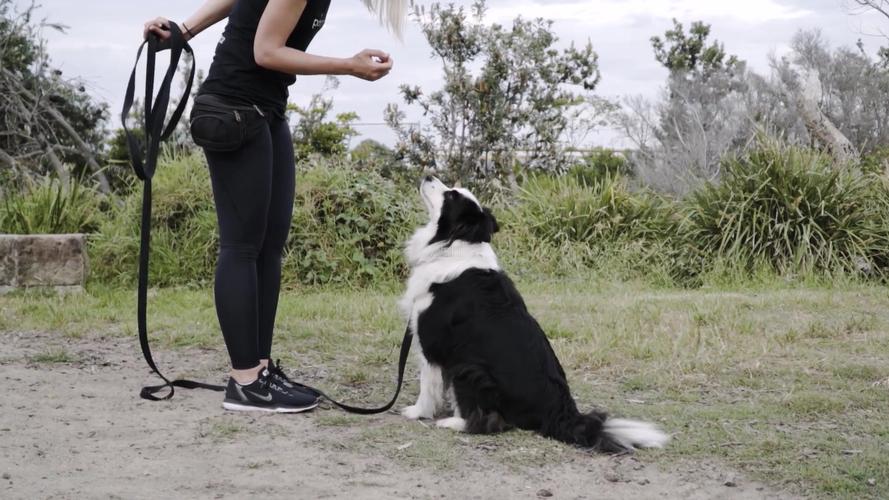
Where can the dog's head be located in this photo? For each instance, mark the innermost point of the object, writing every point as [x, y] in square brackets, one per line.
[456, 214]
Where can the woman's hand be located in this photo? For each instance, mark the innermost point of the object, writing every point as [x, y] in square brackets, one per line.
[160, 26]
[371, 64]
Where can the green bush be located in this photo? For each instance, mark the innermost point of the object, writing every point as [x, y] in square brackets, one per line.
[183, 229]
[49, 206]
[789, 208]
[348, 228]
[349, 225]
[599, 223]
[600, 163]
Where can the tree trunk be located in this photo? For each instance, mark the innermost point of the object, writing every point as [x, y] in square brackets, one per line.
[807, 95]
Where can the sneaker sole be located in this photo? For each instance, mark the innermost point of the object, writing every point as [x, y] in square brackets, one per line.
[269, 409]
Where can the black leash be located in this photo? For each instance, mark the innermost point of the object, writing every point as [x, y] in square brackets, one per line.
[155, 133]
[402, 361]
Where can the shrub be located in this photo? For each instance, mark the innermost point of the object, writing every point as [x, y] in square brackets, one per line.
[183, 229]
[600, 163]
[349, 225]
[348, 228]
[788, 207]
[601, 223]
[49, 206]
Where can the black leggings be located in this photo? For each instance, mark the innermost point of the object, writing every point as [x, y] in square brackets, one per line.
[253, 189]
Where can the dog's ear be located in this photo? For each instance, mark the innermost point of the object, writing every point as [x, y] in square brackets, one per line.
[492, 220]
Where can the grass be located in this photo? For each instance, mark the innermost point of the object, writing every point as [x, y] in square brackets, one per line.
[789, 384]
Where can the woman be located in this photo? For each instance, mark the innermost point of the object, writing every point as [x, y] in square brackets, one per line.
[257, 58]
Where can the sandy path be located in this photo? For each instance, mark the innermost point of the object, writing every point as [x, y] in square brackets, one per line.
[78, 430]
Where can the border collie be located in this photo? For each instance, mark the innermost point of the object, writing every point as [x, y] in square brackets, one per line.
[482, 353]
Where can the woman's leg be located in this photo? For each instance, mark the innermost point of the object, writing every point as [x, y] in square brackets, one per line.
[242, 188]
[279, 217]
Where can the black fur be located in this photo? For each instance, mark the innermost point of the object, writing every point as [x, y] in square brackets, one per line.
[499, 362]
[462, 219]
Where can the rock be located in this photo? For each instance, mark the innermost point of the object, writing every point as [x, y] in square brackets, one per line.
[643, 482]
[52, 260]
[544, 493]
[612, 476]
[6, 476]
[871, 482]
[7, 261]
[730, 483]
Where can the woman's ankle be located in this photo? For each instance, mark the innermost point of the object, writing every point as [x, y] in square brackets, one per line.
[248, 376]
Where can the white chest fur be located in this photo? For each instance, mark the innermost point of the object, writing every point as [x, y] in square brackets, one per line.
[438, 263]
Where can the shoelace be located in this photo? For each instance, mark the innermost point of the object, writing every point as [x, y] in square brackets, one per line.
[276, 370]
[268, 383]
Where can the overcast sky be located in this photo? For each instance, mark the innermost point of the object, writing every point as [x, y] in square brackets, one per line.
[103, 35]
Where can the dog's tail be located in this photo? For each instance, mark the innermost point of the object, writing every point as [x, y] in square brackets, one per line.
[611, 435]
[631, 434]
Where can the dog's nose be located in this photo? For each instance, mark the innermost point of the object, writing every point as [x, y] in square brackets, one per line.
[428, 178]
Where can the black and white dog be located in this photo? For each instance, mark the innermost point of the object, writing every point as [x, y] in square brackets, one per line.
[483, 354]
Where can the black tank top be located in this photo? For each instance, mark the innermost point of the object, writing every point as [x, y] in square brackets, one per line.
[234, 72]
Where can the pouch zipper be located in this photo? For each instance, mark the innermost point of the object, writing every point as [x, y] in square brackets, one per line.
[237, 116]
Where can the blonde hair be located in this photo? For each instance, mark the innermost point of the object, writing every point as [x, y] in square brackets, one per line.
[392, 13]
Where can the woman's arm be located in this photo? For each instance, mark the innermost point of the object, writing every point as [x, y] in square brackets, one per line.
[207, 15]
[271, 52]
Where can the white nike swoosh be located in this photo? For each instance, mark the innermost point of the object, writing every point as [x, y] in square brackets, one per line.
[267, 398]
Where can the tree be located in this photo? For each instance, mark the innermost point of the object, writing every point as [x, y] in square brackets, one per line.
[506, 98]
[880, 6]
[689, 55]
[841, 93]
[48, 123]
[681, 139]
[314, 133]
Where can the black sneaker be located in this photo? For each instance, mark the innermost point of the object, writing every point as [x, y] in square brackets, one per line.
[281, 378]
[266, 394]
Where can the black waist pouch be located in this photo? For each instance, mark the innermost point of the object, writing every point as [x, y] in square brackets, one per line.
[222, 125]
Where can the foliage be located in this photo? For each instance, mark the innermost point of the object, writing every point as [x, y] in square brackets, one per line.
[689, 53]
[702, 116]
[183, 229]
[788, 208]
[512, 109]
[600, 163]
[315, 134]
[49, 123]
[852, 90]
[607, 222]
[50, 206]
[349, 226]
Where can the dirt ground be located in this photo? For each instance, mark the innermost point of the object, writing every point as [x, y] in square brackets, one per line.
[76, 428]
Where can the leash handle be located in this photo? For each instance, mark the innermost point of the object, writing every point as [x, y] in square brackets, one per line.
[145, 165]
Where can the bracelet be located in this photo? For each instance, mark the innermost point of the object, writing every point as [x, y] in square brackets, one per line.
[190, 34]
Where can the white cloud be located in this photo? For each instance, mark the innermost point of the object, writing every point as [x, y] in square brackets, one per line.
[103, 36]
[612, 12]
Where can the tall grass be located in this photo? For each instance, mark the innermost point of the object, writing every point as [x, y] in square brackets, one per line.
[49, 206]
[183, 229]
[779, 212]
[601, 223]
[790, 209]
[348, 227]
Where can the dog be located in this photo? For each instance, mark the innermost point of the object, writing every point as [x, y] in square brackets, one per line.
[481, 351]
